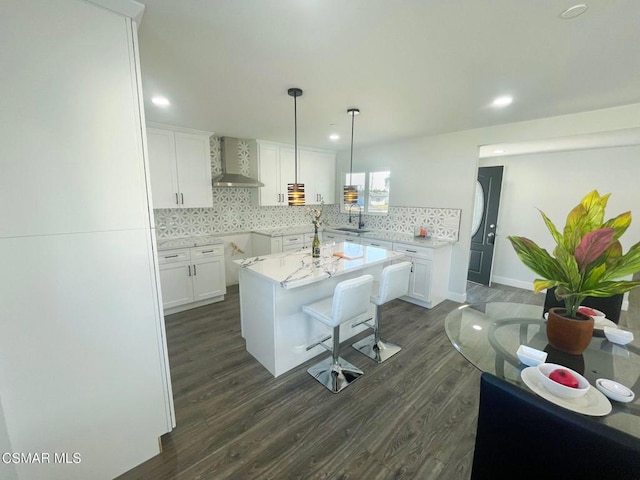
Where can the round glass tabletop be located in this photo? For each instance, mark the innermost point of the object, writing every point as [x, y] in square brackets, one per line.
[489, 334]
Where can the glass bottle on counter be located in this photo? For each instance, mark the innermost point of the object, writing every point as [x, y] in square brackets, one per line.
[315, 245]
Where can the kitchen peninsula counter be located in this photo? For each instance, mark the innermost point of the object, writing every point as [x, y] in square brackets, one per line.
[274, 288]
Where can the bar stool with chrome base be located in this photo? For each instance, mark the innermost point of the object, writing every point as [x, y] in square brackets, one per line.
[349, 302]
[394, 283]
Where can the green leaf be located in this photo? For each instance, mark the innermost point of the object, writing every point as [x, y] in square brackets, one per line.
[594, 205]
[557, 236]
[539, 285]
[627, 264]
[607, 289]
[536, 258]
[619, 224]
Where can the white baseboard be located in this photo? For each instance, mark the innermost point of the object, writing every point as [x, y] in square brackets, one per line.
[457, 297]
[512, 282]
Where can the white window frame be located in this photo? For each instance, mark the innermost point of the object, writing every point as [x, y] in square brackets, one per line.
[367, 186]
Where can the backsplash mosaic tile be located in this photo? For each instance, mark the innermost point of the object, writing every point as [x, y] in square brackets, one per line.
[233, 211]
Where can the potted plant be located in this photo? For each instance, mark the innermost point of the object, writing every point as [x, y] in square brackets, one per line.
[587, 262]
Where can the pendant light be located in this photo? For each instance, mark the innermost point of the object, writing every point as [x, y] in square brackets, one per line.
[351, 190]
[295, 191]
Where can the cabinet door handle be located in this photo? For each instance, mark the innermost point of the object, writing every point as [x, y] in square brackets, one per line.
[171, 256]
[182, 198]
[177, 202]
[412, 251]
[189, 267]
[194, 271]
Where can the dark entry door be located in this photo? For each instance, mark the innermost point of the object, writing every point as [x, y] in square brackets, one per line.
[485, 219]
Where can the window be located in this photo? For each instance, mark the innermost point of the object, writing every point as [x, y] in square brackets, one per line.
[373, 192]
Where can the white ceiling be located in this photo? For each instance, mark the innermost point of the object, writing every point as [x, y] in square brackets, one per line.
[413, 67]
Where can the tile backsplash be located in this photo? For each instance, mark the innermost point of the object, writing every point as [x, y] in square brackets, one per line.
[233, 211]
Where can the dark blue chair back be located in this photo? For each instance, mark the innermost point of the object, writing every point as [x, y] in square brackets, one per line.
[521, 435]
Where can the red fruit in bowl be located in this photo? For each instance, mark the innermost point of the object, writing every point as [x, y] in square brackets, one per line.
[564, 377]
[588, 311]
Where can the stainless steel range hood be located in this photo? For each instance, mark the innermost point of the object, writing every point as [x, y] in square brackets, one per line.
[231, 173]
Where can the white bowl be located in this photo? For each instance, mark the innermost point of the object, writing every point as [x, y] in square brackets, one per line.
[530, 356]
[558, 389]
[598, 314]
[617, 335]
[614, 390]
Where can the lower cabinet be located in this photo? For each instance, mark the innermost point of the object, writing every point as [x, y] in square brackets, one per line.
[429, 281]
[192, 277]
[330, 236]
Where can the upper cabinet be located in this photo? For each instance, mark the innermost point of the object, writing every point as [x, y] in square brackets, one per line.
[276, 167]
[275, 170]
[180, 164]
[317, 171]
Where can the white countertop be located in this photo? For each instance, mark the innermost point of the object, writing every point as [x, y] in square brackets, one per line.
[397, 237]
[183, 242]
[278, 232]
[296, 269]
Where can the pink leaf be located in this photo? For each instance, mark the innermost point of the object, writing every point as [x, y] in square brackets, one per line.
[593, 245]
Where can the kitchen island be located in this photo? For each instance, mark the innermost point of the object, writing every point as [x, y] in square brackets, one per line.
[274, 288]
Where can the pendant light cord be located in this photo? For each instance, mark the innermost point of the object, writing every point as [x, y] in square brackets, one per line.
[295, 135]
[353, 117]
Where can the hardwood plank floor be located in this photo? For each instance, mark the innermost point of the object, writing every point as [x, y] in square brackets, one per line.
[411, 417]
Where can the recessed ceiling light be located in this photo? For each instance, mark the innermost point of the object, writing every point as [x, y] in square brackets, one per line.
[573, 12]
[161, 101]
[502, 101]
[334, 137]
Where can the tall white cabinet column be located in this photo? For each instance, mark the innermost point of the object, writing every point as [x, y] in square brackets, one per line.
[83, 359]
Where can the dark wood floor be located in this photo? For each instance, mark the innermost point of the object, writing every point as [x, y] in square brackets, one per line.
[413, 417]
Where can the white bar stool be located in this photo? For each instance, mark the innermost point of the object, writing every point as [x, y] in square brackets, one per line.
[394, 283]
[349, 302]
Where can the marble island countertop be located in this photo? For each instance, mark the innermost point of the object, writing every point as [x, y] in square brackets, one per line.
[295, 269]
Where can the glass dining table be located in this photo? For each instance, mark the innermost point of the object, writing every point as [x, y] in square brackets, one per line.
[489, 334]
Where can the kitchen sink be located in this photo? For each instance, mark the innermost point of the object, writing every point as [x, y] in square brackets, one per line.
[352, 230]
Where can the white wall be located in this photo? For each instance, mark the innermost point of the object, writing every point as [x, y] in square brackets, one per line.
[555, 183]
[440, 171]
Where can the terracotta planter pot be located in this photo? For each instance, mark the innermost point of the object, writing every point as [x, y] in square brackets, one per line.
[567, 334]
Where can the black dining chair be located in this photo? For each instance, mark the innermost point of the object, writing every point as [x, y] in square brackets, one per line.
[610, 306]
[521, 435]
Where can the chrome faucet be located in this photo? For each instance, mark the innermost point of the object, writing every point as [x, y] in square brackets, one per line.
[360, 222]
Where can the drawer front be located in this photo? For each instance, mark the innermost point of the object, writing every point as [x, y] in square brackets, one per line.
[292, 240]
[413, 251]
[377, 243]
[173, 256]
[208, 251]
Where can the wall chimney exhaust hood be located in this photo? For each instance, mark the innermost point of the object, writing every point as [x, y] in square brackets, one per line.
[231, 172]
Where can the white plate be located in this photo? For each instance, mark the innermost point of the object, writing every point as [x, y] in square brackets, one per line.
[614, 390]
[601, 323]
[593, 403]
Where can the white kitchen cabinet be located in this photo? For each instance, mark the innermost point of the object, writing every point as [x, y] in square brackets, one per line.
[331, 236]
[192, 277]
[276, 169]
[180, 167]
[429, 280]
[376, 243]
[318, 173]
[83, 360]
[263, 244]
